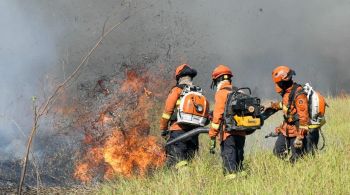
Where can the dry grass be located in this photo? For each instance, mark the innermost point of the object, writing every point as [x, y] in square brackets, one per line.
[326, 173]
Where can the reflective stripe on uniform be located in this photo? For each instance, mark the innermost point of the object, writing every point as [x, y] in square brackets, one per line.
[178, 102]
[166, 116]
[181, 164]
[280, 105]
[304, 127]
[230, 176]
[316, 126]
[285, 108]
[215, 126]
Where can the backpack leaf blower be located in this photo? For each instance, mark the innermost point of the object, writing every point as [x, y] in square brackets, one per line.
[243, 112]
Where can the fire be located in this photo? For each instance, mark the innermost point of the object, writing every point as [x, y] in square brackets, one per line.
[81, 172]
[134, 154]
[120, 144]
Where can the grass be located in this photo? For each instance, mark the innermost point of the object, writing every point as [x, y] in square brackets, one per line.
[326, 173]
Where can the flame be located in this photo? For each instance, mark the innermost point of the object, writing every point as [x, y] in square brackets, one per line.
[82, 173]
[127, 149]
[133, 154]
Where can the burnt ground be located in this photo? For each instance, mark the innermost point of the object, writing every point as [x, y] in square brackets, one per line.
[9, 178]
[49, 190]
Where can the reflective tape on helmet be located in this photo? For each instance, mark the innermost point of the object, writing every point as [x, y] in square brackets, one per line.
[166, 116]
[215, 126]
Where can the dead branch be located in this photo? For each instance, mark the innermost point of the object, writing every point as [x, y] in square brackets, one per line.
[34, 161]
[25, 160]
[44, 107]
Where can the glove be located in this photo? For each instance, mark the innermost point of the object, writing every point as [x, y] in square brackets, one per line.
[165, 134]
[278, 130]
[275, 105]
[212, 145]
[298, 143]
[272, 134]
[303, 131]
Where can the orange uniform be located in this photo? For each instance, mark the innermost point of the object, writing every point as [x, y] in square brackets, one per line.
[171, 103]
[220, 100]
[297, 118]
[179, 153]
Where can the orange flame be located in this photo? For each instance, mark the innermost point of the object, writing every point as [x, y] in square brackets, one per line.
[128, 149]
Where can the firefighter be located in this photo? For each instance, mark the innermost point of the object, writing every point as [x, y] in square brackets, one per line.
[181, 152]
[232, 143]
[294, 104]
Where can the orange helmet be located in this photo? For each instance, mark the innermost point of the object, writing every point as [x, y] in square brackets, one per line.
[282, 73]
[184, 70]
[221, 70]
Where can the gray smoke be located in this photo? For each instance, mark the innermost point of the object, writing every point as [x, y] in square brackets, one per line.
[42, 41]
[27, 53]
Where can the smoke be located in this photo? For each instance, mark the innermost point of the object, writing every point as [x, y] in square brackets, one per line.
[253, 36]
[43, 41]
[27, 53]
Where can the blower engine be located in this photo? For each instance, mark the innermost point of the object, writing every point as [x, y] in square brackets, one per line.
[242, 111]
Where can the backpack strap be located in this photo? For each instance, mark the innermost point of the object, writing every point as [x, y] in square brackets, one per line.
[223, 120]
[181, 86]
[291, 101]
[173, 117]
[292, 97]
[229, 96]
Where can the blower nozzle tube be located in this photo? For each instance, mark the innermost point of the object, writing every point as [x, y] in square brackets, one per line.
[267, 113]
[188, 134]
[264, 115]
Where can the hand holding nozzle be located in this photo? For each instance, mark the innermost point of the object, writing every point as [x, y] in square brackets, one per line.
[276, 105]
[272, 134]
[298, 142]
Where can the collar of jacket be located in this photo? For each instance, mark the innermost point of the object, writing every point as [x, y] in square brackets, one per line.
[289, 89]
[185, 80]
[222, 84]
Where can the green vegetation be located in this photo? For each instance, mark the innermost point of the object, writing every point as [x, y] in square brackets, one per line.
[326, 173]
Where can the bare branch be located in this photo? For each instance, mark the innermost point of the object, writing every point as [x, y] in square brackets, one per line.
[44, 107]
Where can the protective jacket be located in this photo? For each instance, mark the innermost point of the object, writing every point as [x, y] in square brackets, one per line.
[223, 89]
[295, 112]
